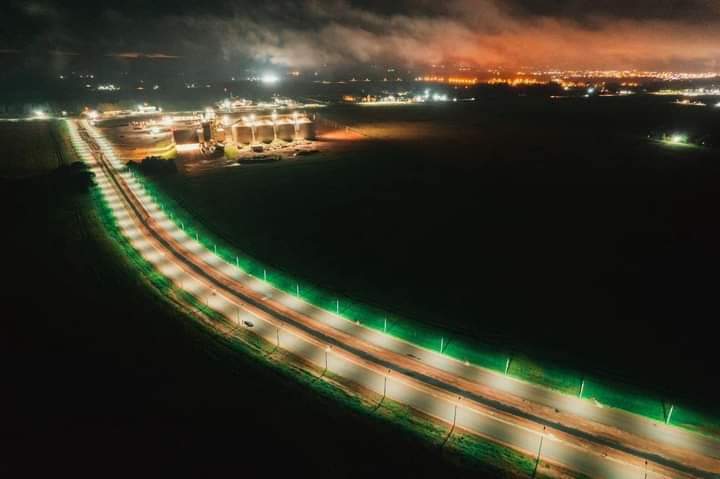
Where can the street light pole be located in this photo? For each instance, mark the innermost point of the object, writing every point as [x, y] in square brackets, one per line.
[537, 460]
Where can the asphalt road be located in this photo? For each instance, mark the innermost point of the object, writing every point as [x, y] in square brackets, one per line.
[601, 442]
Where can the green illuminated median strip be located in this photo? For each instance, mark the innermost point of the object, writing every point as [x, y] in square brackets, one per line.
[434, 338]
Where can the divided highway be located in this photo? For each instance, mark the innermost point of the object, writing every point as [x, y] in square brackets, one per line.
[574, 433]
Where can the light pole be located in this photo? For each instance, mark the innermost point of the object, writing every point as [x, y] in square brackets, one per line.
[295, 123]
[537, 460]
[252, 127]
[274, 122]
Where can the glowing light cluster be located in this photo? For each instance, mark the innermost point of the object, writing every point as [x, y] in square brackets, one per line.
[269, 78]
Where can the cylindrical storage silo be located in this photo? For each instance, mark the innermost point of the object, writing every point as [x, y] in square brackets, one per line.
[306, 130]
[185, 136]
[286, 131]
[264, 133]
[242, 134]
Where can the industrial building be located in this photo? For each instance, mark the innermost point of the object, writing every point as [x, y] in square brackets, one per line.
[269, 128]
[243, 130]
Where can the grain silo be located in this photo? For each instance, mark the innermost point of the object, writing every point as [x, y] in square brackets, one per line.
[285, 131]
[241, 134]
[306, 129]
[264, 133]
[185, 136]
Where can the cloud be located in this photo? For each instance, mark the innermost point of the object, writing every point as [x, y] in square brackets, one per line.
[480, 32]
[648, 34]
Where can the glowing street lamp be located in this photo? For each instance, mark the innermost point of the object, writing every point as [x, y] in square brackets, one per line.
[667, 420]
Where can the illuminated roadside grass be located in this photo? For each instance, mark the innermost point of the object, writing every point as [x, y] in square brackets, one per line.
[472, 451]
[597, 390]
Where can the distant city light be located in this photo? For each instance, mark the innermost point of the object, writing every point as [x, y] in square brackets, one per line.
[678, 139]
[39, 114]
[269, 78]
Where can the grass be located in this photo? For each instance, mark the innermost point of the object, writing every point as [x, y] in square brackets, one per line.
[231, 152]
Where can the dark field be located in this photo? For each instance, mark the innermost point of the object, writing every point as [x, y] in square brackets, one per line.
[103, 378]
[551, 228]
[29, 148]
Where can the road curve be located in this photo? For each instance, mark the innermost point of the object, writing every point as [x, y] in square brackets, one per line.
[577, 434]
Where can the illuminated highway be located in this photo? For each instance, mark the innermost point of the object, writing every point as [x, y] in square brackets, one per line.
[575, 433]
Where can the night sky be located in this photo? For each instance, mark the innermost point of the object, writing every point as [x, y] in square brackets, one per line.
[608, 34]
